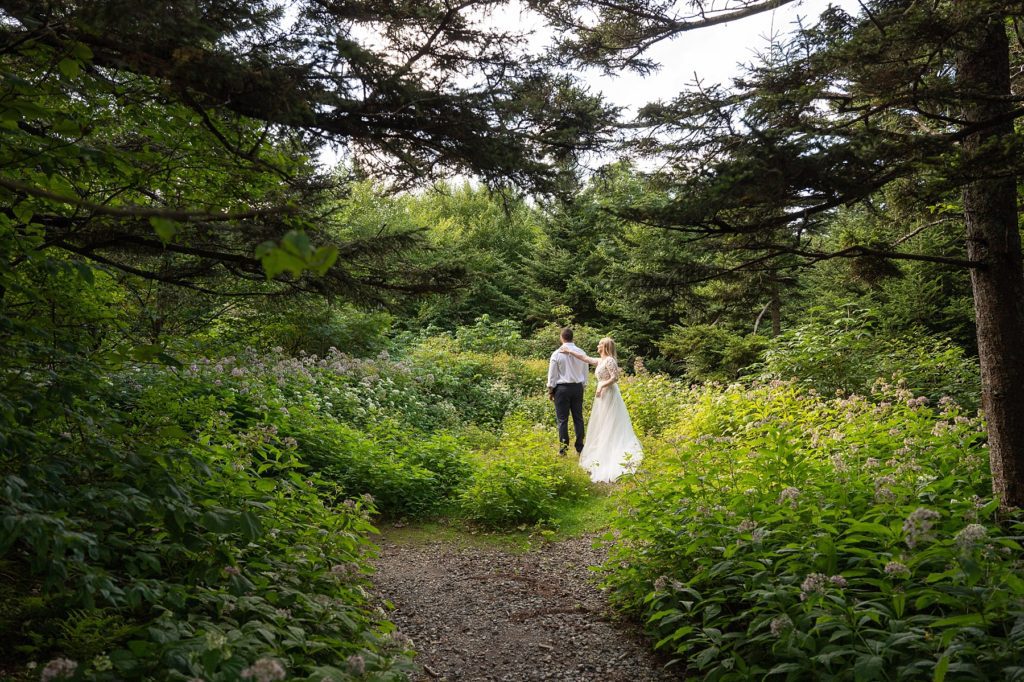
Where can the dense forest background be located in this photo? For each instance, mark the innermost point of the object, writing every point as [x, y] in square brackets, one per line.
[224, 362]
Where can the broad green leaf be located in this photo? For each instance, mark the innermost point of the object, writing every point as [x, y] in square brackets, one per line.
[164, 228]
[70, 68]
[964, 619]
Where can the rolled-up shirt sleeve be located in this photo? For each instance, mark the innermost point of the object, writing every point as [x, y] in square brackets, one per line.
[552, 372]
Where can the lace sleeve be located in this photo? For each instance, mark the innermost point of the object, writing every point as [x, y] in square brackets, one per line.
[612, 367]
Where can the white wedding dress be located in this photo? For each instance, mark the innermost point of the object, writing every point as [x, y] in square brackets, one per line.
[611, 447]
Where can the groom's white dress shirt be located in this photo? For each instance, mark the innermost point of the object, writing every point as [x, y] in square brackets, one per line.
[567, 369]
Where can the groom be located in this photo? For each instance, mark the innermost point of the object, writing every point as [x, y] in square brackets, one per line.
[567, 377]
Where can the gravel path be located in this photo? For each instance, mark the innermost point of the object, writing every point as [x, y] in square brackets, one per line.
[480, 613]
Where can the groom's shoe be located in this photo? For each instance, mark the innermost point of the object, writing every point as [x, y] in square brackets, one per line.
[563, 450]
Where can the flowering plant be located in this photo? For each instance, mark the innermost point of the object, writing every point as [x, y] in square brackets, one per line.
[773, 531]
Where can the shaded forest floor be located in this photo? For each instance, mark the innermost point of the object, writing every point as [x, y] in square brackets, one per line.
[487, 611]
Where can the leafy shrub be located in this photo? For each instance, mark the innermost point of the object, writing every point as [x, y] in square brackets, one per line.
[776, 534]
[524, 481]
[407, 475]
[489, 336]
[178, 554]
[707, 352]
[849, 353]
[654, 402]
[482, 387]
[543, 341]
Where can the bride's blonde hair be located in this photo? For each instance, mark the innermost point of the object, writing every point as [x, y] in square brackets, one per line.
[609, 346]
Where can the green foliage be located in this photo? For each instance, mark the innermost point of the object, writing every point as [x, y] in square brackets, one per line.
[775, 533]
[711, 353]
[654, 402]
[316, 326]
[850, 352]
[523, 481]
[489, 336]
[189, 549]
[545, 340]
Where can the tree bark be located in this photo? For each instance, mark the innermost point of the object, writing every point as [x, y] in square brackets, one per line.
[993, 239]
[776, 310]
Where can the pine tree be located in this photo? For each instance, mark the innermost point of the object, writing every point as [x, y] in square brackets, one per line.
[911, 92]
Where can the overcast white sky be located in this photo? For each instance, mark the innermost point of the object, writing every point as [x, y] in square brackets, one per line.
[711, 54]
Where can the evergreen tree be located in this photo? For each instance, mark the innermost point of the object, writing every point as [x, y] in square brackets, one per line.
[907, 91]
[173, 141]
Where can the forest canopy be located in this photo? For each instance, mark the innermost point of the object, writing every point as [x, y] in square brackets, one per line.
[220, 350]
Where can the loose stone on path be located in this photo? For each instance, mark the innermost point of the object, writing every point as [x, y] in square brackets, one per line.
[480, 613]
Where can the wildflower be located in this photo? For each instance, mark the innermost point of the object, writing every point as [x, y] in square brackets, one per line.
[789, 495]
[870, 463]
[356, 664]
[971, 535]
[758, 535]
[896, 568]
[102, 663]
[839, 464]
[838, 581]
[884, 494]
[233, 570]
[367, 498]
[746, 526]
[780, 624]
[885, 481]
[58, 668]
[216, 640]
[815, 583]
[400, 640]
[265, 670]
[918, 526]
[661, 583]
[343, 570]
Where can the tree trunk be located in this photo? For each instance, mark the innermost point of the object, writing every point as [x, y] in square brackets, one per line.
[993, 240]
[776, 310]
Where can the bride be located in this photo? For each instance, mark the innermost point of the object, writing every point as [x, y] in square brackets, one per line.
[611, 448]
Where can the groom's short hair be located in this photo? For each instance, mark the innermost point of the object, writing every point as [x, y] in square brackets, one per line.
[566, 333]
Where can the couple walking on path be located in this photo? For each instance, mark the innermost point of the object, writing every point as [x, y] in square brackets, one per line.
[611, 447]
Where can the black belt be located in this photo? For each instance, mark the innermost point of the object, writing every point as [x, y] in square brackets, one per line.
[574, 383]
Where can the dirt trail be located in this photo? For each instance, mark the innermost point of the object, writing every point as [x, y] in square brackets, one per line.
[481, 613]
